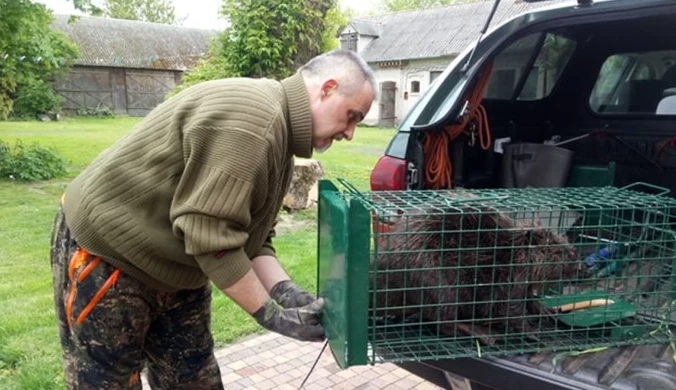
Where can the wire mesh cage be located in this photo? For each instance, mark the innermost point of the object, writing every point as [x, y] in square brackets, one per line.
[419, 275]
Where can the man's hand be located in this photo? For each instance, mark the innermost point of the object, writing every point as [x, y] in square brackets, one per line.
[278, 283]
[301, 323]
[289, 295]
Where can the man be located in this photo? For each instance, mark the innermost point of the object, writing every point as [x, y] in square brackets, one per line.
[186, 199]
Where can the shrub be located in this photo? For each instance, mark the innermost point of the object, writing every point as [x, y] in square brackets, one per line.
[33, 97]
[30, 162]
[101, 110]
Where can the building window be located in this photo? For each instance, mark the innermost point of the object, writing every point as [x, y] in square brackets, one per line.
[434, 75]
[415, 86]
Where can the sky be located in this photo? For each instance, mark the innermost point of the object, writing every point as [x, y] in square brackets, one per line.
[200, 13]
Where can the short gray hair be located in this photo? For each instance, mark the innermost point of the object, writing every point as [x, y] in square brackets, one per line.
[348, 63]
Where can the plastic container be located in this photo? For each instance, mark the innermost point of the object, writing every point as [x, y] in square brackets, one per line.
[599, 257]
[535, 165]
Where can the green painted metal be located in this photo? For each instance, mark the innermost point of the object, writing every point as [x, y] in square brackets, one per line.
[592, 175]
[592, 316]
[340, 273]
[358, 278]
[639, 276]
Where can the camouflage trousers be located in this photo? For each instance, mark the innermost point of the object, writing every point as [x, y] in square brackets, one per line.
[111, 326]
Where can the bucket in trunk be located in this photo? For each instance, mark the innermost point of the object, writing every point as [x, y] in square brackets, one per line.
[535, 165]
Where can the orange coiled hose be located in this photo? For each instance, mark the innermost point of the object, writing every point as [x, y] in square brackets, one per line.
[438, 167]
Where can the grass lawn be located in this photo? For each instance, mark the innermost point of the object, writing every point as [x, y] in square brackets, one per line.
[29, 347]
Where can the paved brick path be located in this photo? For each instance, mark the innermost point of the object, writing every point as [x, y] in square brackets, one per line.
[274, 362]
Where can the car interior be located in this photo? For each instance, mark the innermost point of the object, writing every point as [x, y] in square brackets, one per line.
[606, 91]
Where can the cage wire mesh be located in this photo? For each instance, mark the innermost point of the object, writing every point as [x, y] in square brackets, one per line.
[502, 271]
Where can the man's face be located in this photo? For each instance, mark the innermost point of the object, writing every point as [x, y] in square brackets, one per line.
[335, 115]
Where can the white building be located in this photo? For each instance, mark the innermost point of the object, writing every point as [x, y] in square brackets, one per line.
[409, 49]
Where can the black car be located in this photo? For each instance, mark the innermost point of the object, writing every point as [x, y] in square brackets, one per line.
[597, 78]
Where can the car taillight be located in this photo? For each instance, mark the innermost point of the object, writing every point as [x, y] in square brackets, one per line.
[389, 174]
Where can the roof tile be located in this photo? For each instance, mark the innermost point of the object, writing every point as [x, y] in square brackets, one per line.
[135, 44]
[434, 32]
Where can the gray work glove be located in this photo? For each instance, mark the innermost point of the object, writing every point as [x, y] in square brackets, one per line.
[289, 295]
[301, 323]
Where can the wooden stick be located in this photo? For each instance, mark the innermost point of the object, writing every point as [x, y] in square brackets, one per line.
[584, 304]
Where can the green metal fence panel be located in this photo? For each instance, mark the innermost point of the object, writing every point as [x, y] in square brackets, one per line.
[419, 275]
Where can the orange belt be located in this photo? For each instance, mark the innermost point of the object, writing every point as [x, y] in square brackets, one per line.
[78, 260]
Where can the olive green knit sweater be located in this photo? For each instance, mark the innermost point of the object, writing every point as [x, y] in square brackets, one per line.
[192, 192]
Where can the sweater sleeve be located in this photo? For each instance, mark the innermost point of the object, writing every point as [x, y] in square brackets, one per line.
[224, 170]
[268, 248]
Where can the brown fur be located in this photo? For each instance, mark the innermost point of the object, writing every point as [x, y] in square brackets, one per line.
[415, 269]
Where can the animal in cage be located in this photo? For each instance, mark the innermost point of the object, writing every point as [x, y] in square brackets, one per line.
[469, 263]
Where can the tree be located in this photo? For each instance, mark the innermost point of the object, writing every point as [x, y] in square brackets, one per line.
[336, 18]
[403, 5]
[266, 38]
[156, 11]
[31, 54]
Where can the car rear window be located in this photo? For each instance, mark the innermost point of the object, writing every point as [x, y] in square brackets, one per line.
[529, 68]
[634, 83]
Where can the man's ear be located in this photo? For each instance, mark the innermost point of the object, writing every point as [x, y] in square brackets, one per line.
[330, 86]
